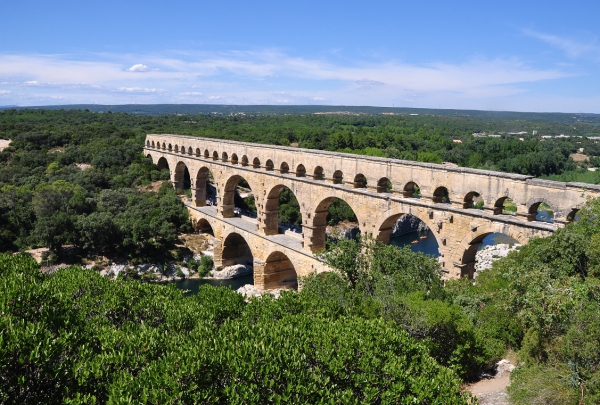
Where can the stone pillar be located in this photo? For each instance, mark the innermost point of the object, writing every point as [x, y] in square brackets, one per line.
[200, 197]
[218, 254]
[259, 274]
[270, 217]
[225, 211]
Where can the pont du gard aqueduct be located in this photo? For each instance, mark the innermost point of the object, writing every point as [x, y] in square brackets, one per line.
[379, 191]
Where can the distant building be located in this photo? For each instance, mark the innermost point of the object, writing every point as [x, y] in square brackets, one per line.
[479, 134]
[495, 136]
[534, 132]
[456, 141]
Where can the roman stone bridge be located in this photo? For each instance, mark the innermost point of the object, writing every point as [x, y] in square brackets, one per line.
[379, 191]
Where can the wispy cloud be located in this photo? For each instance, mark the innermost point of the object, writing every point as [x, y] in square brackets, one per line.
[238, 77]
[572, 48]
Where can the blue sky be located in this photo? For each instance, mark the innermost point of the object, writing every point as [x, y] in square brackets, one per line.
[508, 55]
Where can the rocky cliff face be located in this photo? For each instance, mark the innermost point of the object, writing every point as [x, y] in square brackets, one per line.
[407, 224]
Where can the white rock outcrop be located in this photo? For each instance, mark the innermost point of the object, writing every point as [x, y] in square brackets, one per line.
[489, 254]
[228, 272]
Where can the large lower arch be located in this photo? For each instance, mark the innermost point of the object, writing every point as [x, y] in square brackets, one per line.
[182, 178]
[234, 250]
[385, 224]
[205, 193]
[471, 243]
[272, 218]
[227, 208]
[318, 237]
[162, 164]
[279, 272]
[203, 226]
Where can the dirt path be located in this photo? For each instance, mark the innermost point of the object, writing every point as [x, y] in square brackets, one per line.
[4, 143]
[491, 389]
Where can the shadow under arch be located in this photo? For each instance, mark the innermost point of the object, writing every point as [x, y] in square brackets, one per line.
[281, 209]
[182, 178]
[235, 250]
[279, 272]
[319, 222]
[203, 226]
[441, 195]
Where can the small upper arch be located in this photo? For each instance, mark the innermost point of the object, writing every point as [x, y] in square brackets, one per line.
[170, 147]
[244, 160]
[338, 177]
[269, 165]
[319, 174]
[234, 159]
[411, 189]
[300, 171]
[473, 200]
[360, 181]
[215, 155]
[441, 195]
[190, 151]
[384, 185]
[224, 157]
[256, 163]
[284, 168]
[206, 153]
[176, 149]
[198, 152]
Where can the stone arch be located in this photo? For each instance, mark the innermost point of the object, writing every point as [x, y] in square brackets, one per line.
[206, 154]
[318, 173]
[244, 160]
[190, 151]
[198, 152]
[256, 163]
[279, 272]
[269, 166]
[182, 150]
[360, 181]
[284, 168]
[385, 223]
[215, 156]
[411, 189]
[148, 143]
[182, 178]
[271, 220]
[224, 157]
[234, 159]
[441, 195]
[499, 205]
[338, 177]
[471, 242]
[170, 148]
[203, 226]
[153, 144]
[471, 198]
[162, 164]
[203, 190]
[149, 156]
[228, 198]
[384, 185]
[235, 250]
[164, 146]
[319, 222]
[176, 149]
[534, 203]
[300, 171]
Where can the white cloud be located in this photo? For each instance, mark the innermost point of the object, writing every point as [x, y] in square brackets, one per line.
[238, 77]
[572, 48]
[137, 90]
[4, 92]
[139, 68]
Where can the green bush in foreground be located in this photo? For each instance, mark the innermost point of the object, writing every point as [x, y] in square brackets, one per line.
[77, 338]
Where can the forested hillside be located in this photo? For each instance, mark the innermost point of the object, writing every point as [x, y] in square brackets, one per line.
[381, 329]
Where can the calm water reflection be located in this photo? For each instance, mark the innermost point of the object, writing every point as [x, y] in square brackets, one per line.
[194, 284]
